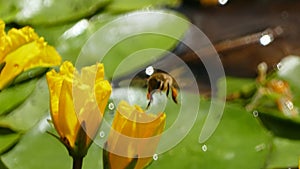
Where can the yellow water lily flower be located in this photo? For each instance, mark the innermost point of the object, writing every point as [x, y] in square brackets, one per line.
[77, 103]
[21, 50]
[133, 138]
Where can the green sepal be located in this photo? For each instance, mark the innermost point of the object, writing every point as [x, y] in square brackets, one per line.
[2, 66]
[81, 147]
[132, 163]
[29, 74]
[105, 157]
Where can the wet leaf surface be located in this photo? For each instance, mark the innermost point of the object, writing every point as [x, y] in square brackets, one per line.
[13, 96]
[30, 111]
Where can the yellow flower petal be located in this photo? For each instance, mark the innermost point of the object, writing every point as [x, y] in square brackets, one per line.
[74, 101]
[55, 81]
[15, 39]
[22, 49]
[134, 133]
[67, 118]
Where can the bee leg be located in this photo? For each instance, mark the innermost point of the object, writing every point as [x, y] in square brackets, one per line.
[174, 94]
[150, 98]
[148, 105]
[149, 102]
[168, 88]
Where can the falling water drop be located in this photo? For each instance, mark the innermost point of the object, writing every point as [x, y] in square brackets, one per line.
[279, 66]
[204, 148]
[222, 2]
[255, 113]
[260, 147]
[266, 39]
[289, 105]
[102, 134]
[155, 157]
[30, 75]
[149, 70]
[111, 106]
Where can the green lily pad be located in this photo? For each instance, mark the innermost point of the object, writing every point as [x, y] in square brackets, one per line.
[8, 10]
[8, 139]
[2, 166]
[42, 147]
[284, 154]
[118, 6]
[70, 42]
[239, 142]
[118, 41]
[50, 12]
[279, 124]
[13, 96]
[31, 110]
[52, 33]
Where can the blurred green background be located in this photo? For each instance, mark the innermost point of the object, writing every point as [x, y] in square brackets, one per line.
[241, 140]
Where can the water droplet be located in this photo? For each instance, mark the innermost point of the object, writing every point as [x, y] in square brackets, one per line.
[204, 148]
[279, 66]
[102, 134]
[223, 2]
[255, 113]
[149, 70]
[155, 157]
[289, 105]
[30, 75]
[260, 147]
[111, 106]
[266, 39]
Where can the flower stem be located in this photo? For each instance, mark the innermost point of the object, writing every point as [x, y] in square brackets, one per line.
[77, 162]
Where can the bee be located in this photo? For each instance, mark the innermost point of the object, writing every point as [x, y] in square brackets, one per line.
[159, 82]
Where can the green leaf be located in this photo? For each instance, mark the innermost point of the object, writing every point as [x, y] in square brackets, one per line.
[13, 96]
[30, 111]
[279, 124]
[242, 86]
[2, 166]
[285, 153]
[37, 149]
[152, 33]
[8, 140]
[239, 142]
[8, 10]
[118, 6]
[71, 40]
[52, 33]
[29, 74]
[56, 11]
